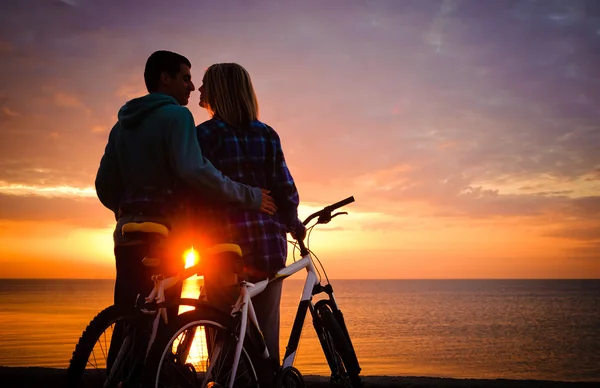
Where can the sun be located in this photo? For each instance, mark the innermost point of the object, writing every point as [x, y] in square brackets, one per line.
[191, 257]
[198, 354]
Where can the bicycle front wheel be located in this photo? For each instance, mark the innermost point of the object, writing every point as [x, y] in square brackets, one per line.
[110, 350]
[339, 351]
[197, 350]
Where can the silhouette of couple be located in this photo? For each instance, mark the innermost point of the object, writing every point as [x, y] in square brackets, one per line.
[223, 181]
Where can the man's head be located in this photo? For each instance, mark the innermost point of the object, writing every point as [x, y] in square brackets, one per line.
[169, 73]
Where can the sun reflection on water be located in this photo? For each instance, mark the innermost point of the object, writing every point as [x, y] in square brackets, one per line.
[198, 355]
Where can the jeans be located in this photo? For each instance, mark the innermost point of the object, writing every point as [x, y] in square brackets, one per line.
[133, 279]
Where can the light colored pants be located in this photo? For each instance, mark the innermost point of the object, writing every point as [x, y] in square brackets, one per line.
[267, 308]
[222, 293]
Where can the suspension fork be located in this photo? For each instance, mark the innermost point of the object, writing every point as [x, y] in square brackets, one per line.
[318, 325]
[331, 302]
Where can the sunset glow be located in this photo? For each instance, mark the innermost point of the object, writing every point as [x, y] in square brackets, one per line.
[44, 191]
[468, 135]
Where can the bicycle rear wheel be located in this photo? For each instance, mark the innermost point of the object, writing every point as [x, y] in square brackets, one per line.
[95, 363]
[338, 350]
[197, 351]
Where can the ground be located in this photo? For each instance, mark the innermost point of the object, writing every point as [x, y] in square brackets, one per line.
[53, 378]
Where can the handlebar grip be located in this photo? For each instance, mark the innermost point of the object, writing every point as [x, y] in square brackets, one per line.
[341, 203]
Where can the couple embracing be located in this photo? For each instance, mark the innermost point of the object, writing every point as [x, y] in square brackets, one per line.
[223, 181]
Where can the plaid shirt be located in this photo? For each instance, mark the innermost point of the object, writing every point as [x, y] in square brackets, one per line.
[253, 156]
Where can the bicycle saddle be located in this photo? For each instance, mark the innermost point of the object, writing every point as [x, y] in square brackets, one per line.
[145, 227]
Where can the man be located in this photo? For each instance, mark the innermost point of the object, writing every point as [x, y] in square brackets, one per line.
[153, 162]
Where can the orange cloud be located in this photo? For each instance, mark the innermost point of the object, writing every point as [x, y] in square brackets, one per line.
[68, 100]
[381, 179]
[74, 211]
[46, 191]
[593, 175]
[7, 112]
[130, 91]
[134, 87]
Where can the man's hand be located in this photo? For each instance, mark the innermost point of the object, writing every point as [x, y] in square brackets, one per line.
[267, 204]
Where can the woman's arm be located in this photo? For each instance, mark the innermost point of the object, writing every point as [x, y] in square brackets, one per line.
[285, 192]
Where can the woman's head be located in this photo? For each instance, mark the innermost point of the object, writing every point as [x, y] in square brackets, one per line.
[228, 95]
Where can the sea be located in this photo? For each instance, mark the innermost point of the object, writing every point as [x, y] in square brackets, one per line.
[508, 329]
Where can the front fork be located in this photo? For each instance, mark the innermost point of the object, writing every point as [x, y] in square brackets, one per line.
[331, 302]
[325, 345]
[328, 347]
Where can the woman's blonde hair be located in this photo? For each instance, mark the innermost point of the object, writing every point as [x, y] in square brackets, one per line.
[229, 95]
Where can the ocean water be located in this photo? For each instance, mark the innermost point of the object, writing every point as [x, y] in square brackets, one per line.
[516, 329]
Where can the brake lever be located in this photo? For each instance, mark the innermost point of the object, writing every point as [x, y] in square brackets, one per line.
[338, 214]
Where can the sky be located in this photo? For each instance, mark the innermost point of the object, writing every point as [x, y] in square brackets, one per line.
[467, 131]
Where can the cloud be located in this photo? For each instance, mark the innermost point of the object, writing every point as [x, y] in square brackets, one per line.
[478, 110]
[134, 87]
[9, 113]
[85, 212]
[72, 3]
[33, 173]
[67, 100]
[66, 204]
[585, 251]
[330, 228]
[6, 113]
[593, 175]
[46, 191]
[589, 233]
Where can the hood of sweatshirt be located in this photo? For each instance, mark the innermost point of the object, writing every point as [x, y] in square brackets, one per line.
[136, 110]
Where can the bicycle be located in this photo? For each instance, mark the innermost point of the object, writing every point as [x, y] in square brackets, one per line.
[140, 345]
[135, 327]
[216, 333]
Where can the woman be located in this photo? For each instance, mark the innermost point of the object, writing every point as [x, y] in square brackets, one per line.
[249, 151]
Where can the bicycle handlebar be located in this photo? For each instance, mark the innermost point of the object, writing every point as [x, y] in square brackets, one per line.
[327, 210]
[324, 217]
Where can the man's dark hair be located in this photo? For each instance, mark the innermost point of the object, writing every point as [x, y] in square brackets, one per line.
[161, 61]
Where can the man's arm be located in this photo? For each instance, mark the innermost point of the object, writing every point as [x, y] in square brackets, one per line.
[109, 181]
[198, 172]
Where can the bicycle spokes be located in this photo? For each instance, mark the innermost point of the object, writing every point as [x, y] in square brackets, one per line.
[201, 356]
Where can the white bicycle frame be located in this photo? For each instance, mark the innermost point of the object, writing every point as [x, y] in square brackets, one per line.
[244, 304]
[245, 307]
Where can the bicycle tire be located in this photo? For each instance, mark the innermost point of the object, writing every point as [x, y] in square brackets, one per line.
[344, 373]
[89, 338]
[165, 342]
